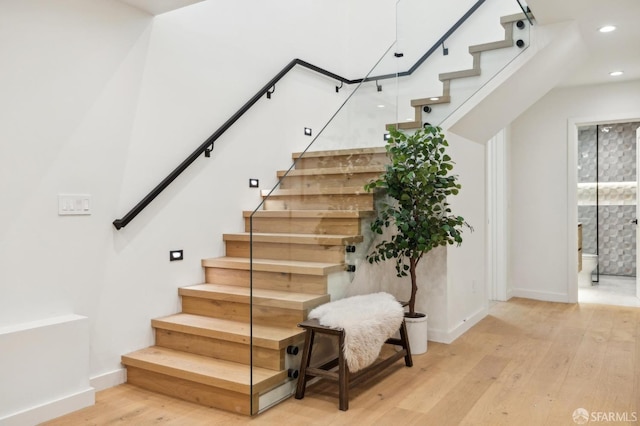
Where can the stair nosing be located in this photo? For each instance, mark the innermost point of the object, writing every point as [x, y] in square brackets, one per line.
[253, 336]
[341, 152]
[332, 171]
[257, 296]
[293, 238]
[471, 72]
[494, 45]
[313, 214]
[515, 17]
[338, 190]
[428, 101]
[252, 381]
[273, 265]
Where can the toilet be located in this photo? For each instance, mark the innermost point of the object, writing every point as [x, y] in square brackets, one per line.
[589, 264]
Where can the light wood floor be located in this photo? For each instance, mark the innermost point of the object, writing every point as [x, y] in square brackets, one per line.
[527, 363]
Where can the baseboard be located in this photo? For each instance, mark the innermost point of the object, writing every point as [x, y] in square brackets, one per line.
[545, 296]
[509, 294]
[275, 395]
[437, 335]
[443, 336]
[109, 380]
[51, 410]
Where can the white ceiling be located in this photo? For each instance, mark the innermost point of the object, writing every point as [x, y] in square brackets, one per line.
[618, 50]
[156, 7]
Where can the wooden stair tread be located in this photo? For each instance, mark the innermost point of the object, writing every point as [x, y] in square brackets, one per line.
[332, 171]
[406, 125]
[205, 370]
[258, 297]
[515, 17]
[320, 239]
[265, 336]
[433, 100]
[269, 265]
[491, 46]
[472, 72]
[339, 152]
[341, 214]
[339, 190]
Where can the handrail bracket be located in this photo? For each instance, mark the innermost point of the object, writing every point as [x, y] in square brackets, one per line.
[208, 149]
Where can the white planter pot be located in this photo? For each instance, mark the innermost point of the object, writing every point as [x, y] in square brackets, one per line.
[417, 331]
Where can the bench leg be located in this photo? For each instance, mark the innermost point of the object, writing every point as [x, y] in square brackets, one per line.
[343, 377]
[408, 361]
[304, 363]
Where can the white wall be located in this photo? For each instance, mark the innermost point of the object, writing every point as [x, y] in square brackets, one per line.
[451, 280]
[466, 265]
[44, 369]
[542, 233]
[70, 80]
[102, 99]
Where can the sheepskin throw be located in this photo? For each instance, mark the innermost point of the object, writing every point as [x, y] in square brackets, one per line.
[367, 320]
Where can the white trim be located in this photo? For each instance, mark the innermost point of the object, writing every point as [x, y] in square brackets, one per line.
[447, 337]
[572, 190]
[276, 395]
[497, 235]
[546, 296]
[572, 212]
[51, 410]
[637, 210]
[108, 380]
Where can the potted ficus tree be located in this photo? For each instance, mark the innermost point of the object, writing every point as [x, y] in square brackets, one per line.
[417, 182]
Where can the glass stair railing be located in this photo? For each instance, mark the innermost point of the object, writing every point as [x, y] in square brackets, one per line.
[307, 240]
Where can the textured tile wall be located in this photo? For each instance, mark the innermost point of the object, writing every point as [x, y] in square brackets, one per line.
[616, 202]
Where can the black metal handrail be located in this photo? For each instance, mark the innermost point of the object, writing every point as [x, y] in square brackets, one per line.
[207, 146]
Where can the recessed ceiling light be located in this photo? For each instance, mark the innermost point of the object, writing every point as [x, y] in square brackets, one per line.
[607, 29]
[616, 73]
[381, 106]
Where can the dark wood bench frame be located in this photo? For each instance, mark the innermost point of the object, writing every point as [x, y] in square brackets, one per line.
[342, 375]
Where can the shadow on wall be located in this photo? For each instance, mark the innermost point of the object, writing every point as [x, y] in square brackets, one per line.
[376, 277]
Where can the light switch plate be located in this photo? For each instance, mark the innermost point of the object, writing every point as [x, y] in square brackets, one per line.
[74, 204]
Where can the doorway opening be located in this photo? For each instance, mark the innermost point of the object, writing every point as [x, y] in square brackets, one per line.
[607, 180]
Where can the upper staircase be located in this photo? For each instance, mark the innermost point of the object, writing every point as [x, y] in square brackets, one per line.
[425, 104]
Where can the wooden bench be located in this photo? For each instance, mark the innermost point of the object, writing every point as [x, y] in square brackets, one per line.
[342, 375]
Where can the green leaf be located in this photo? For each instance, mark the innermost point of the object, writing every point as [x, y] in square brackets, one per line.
[417, 182]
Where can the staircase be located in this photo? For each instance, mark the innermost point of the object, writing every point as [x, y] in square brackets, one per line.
[247, 309]
[426, 103]
[300, 239]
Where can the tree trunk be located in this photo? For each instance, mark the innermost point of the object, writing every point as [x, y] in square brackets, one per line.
[414, 286]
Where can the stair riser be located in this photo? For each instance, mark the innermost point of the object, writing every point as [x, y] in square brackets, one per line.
[312, 284]
[327, 181]
[343, 226]
[302, 252]
[342, 161]
[272, 359]
[192, 391]
[241, 311]
[316, 202]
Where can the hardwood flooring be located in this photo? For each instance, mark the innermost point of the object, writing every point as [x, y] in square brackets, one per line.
[526, 363]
